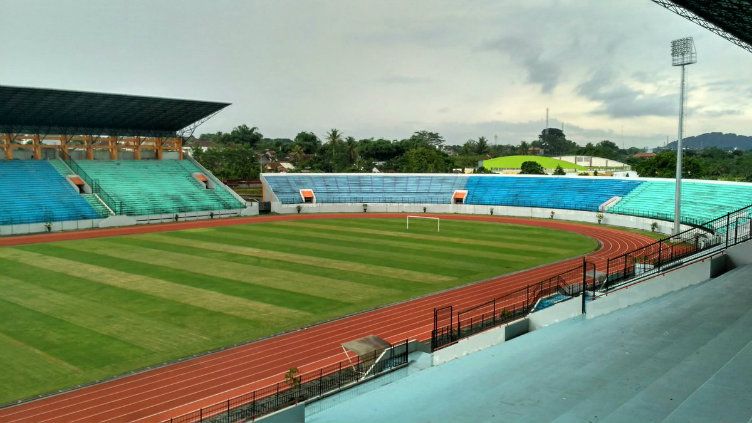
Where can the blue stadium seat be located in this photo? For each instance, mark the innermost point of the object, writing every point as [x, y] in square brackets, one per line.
[549, 192]
[367, 188]
[701, 201]
[32, 191]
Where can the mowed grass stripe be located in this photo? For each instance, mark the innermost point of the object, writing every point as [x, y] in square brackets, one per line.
[306, 260]
[117, 261]
[374, 250]
[385, 284]
[106, 319]
[356, 254]
[518, 246]
[31, 368]
[407, 245]
[222, 303]
[487, 231]
[487, 234]
[65, 341]
[207, 323]
[291, 282]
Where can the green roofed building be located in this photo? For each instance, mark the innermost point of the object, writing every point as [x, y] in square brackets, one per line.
[512, 164]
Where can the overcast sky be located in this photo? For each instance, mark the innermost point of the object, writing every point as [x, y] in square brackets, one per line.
[388, 68]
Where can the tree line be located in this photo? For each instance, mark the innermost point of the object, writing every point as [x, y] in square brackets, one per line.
[237, 154]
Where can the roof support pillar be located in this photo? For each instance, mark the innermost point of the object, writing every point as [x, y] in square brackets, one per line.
[89, 146]
[179, 147]
[137, 147]
[112, 142]
[158, 147]
[64, 141]
[37, 147]
[8, 146]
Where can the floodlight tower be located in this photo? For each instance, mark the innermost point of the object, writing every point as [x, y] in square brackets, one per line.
[682, 54]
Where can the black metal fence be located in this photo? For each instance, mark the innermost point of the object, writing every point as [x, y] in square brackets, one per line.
[687, 220]
[707, 237]
[300, 388]
[450, 326]
[721, 232]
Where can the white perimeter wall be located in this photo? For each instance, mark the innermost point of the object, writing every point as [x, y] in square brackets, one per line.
[634, 222]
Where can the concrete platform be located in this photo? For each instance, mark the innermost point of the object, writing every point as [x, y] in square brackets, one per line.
[684, 357]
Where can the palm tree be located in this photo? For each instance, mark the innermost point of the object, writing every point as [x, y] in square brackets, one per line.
[334, 136]
[352, 150]
[297, 154]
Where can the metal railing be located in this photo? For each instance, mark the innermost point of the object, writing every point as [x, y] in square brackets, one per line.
[691, 221]
[706, 238]
[115, 204]
[300, 388]
[450, 326]
[721, 232]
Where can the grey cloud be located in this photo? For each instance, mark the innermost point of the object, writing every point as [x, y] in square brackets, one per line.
[540, 70]
[621, 101]
[403, 80]
[719, 112]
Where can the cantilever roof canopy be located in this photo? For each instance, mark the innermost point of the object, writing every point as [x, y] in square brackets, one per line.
[731, 19]
[49, 111]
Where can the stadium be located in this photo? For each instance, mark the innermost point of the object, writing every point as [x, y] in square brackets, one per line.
[137, 286]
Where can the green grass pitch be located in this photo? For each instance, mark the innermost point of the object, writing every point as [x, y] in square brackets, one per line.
[514, 162]
[77, 311]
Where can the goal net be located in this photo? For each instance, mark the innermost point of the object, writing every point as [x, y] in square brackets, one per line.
[423, 218]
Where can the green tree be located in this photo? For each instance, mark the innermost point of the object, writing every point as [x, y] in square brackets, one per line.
[532, 168]
[425, 160]
[555, 143]
[243, 135]
[559, 170]
[481, 147]
[308, 141]
[424, 138]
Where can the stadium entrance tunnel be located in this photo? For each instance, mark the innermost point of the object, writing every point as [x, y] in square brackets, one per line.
[308, 196]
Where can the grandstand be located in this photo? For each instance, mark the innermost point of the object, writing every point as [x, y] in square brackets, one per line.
[98, 160]
[34, 191]
[641, 197]
[145, 187]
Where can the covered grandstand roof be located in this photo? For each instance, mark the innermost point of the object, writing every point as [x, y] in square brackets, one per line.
[50, 111]
[731, 19]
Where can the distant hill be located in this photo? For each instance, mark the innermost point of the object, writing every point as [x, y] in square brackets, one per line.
[715, 139]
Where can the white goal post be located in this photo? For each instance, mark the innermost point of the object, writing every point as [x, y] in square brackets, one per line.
[438, 221]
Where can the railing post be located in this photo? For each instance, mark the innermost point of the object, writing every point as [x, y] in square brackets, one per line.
[228, 410]
[584, 282]
[321, 377]
[660, 253]
[728, 221]
[736, 229]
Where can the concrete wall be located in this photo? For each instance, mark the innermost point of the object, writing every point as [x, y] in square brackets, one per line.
[653, 287]
[556, 313]
[550, 315]
[740, 254]
[251, 209]
[32, 228]
[470, 344]
[529, 212]
[292, 414]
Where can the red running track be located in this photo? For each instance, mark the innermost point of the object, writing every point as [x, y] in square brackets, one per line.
[175, 389]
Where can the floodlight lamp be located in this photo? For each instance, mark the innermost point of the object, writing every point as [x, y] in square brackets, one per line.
[683, 52]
